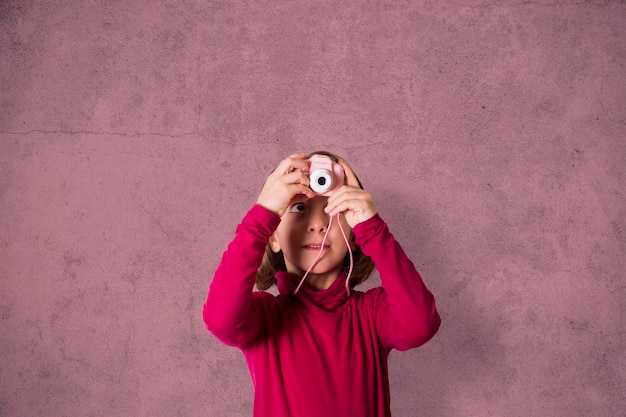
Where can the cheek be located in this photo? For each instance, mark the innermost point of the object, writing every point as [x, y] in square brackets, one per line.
[346, 229]
[287, 236]
[339, 237]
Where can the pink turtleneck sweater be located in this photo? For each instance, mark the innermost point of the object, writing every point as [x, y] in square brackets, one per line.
[318, 353]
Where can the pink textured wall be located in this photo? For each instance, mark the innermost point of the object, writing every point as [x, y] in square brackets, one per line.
[135, 134]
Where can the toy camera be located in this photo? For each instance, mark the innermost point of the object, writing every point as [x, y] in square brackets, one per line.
[325, 175]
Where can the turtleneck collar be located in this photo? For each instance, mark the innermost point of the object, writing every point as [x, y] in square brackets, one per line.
[329, 299]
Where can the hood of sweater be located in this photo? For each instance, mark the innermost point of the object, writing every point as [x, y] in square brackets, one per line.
[330, 299]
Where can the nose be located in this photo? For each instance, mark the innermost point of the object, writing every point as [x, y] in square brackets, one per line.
[318, 221]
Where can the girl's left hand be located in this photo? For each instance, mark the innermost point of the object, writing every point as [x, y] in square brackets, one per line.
[355, 203]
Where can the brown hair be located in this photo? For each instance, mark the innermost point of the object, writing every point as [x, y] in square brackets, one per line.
[274, 262]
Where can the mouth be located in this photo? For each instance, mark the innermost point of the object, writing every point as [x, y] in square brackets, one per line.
[316, 246]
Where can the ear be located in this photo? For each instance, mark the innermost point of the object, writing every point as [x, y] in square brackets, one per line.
[274, 243]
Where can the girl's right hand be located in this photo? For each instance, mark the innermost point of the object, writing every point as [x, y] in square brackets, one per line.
[286, 185]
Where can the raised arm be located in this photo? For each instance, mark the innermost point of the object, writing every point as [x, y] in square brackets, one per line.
[231, 312]
[228, 312]
[407, 315]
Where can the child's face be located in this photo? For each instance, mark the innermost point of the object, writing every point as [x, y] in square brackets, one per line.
[300, 234]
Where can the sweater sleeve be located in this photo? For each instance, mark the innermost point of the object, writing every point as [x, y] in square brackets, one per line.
[229, 311]
[406, 316]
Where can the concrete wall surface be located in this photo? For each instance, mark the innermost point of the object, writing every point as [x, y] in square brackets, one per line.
[134, 135]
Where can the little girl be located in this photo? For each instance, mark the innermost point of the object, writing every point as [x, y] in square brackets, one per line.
[318, 349]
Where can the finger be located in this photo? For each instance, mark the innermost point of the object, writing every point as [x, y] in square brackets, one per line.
[293, 162]
[296, 177]
[341, 207]
[299, 164]
[350, 176]
[360, 208]
[342, 193]
[341, 196]
[298, 155]
[302, 190]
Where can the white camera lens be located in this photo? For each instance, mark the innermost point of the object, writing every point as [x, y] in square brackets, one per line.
[321, 181]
